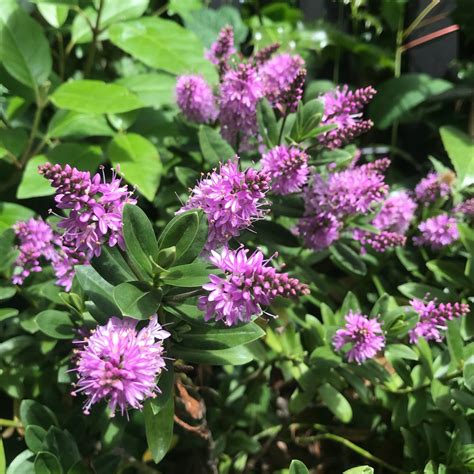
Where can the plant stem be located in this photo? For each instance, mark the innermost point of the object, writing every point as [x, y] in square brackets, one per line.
[283, 123]
[10, 423]
[349, 444]
[416, 22]
[93, 47]
[446, 378]
[34, 130]
[471, 120]
[398, 68]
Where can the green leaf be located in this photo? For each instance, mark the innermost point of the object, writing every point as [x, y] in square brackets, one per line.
[308, 118]
[214, 148]
[55, 15]
[62, 444]
[6, 292]
[153, 89]
[11, 213]
[80, 155]
[426, 357]
[190, 275]
[460, 149]
[34, 437]
[112, 266]
[207, 23]
[347, 259]
[98, 291]
[360, 470]
[32, 183]
[270, 231]
[447, 272]
[336, 402]
[67, 123]
[455, 342]
[56, 324]
[468, 373]
[267, 123]
[159, 429]
[214, 338]
[419, 291]
[184, 8]
[137, 299]
[24, 49]
[397, 96]
[33, 413]
[235, 356]
[3, 462]
[13, 140]
[162, 44]
[187, 232]
[7, 313]
[297, 467]
[22, 464]
[112, 12]
[47, 463]
[139, 238]
[401, 351]
[139, 162]
[95, 97]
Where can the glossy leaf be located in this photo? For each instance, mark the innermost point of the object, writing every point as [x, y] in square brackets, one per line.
[138, 161]
[153, 89]
[214, 148]
[11, 213]
[34, 437]
[95, 97]
[297, 467]
[159, 429]
[112, 266]
[235, 356]
[67, 123]
[336, 402]
[137, 299]
[56, 324]
[347, 259]
[33, 413]
[47, 463]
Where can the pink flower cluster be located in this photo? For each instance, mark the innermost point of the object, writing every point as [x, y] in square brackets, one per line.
[363, 335]
[437, 232]
[249, 283]
[232, 200]
[433, 318]
[119, 363]
[431, 188]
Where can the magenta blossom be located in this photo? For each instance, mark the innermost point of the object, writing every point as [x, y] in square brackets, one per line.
[120, 364]
[94, 205]
[241, 89]
[278, 73]
[287, 168]
[433, 318]
[466, 208]
[232, 200]
[437, 232]
[195, 99]
[222, 49]
[249, 283]
[363, 335]
[431, 188]
[344, 108]
[319, 230]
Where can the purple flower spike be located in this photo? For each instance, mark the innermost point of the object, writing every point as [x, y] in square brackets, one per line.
[241, 90]
[364, 335]
[344, 108]
[319, 231]
[396, 213]
[195, 99]
[437, 232]
[432, 187]
[95, 208]
[466, 208]
[232, 200]
[278, 73]
[222, 49]
[248, 283]
[433, 318]
[119, 364]
[287, 168]
[262, 56]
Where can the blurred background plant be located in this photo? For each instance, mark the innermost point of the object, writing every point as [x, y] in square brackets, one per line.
[92, 82]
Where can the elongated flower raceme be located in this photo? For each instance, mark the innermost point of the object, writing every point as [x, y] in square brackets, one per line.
[195, 99]
[249, 283]
[466, 208]
[232, 200]
[437, 232]
[94, 205]
[278, 73]
[222, 49]
[363, 335]
[393, 220]
[344, 108]
[241, 89]
[433, 318]
[433, 187]
[39, 244]
[329, 200]
[287, 167]
[119, 364]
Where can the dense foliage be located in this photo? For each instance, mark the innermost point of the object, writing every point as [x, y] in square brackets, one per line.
[216, 260]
